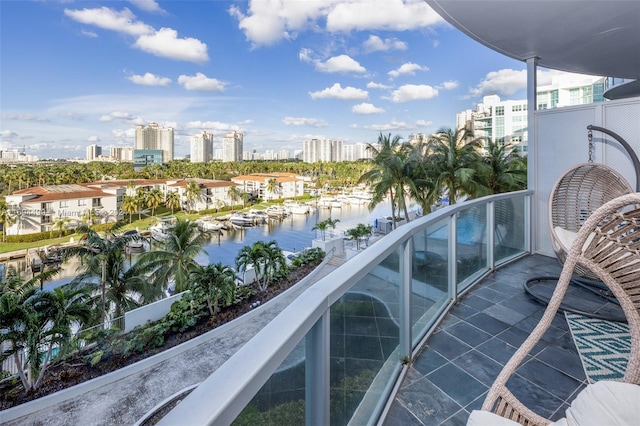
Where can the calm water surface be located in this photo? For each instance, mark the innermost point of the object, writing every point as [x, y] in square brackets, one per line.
[292, 234]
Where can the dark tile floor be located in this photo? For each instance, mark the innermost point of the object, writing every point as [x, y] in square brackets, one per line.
[462, 358]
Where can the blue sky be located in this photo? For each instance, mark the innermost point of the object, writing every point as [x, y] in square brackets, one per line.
[75, 73]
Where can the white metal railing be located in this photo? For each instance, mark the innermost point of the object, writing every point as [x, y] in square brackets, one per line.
[429, 260]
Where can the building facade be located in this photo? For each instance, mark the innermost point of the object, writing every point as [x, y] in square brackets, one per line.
[270, 186]
[505, 122]
[202, 147]
[325, 150]
[154, 137]
[145, 157]
[38, 208]
[232, 147]
[93, 152]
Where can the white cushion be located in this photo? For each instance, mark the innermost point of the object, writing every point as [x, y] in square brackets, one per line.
[604, 403]
[566, 238]
[485, 418]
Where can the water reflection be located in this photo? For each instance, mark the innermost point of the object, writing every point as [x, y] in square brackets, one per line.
[293, 233]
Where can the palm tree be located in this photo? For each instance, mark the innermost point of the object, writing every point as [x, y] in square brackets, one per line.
[141, 199]
[6, 218]
[234, 193]
[217, 283]
[175, 260]
[130, 205]
[95, 251]
[193, 194]
[392, 173]
[503, 170]
[274, 261]
[272, 187]
[60, 224]
[453, 162]
[359, 232]
[154, 199]
[172, 200]
[126, 286]
[32, 321]
[323, 225]
[255, 256]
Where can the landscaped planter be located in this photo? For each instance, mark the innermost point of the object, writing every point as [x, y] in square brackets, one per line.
[329, 244]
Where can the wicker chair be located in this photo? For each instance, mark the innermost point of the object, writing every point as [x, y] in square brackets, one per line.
[608, 245]
[577, 193]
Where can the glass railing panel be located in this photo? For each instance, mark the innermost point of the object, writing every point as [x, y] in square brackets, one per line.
[281, 401]
[430, 276]
[471, 244]
[364, 344]
[509, 228]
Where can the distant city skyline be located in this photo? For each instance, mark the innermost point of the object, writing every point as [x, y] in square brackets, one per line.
[280, 75]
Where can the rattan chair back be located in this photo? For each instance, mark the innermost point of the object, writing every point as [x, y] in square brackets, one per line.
[575, 196]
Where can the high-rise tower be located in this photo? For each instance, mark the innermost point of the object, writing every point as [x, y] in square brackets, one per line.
[232, 147]
[154, 137]
[202, 147]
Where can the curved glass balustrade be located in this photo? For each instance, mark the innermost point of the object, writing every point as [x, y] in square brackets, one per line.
[333, 356]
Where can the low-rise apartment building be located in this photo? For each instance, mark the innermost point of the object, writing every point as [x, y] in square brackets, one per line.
[269, 186]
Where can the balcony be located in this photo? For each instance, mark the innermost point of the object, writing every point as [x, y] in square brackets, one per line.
[338, 353]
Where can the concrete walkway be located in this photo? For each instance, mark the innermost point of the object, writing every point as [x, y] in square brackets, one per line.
[125, 396]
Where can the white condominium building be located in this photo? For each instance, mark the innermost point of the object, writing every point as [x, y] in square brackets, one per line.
[232, 147]
[202, 147]
[93, 152]
[506, 121]
[154, 137]
[326, 150]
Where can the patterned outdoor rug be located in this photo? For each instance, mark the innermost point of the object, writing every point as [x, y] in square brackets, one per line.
[604, 346]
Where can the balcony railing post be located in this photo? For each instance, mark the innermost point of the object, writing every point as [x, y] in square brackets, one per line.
[317, 369]
[490, 227]
[453, 256]
[406, 278]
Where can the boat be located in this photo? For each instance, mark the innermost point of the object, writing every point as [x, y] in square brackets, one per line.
[162, 230]
[296, 208]
[208, 225]
[241, 220]
[276, 212]
[136, 244]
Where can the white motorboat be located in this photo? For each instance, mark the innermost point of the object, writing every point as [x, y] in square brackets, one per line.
[162, 230]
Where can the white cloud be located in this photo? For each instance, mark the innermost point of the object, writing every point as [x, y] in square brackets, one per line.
[201, 82]
[7, 134]
[165, 43]
[376, 44]
[395, 15]
[86, 33]
[449, 85]
[366, 108]
[304, 121]
[212, 126]
[147, 5]
[149, 79]
[338, 92]
[393, 125]
[413, 92]
[93, 139]
[109, 19]
[22, 117]
[505, 81]
[374, 85]
[341, 63]
[117, 115]
[424, 123]
[408, 68]
[268, 21]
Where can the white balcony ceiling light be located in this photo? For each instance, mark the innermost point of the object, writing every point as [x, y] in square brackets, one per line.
[599, 37]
